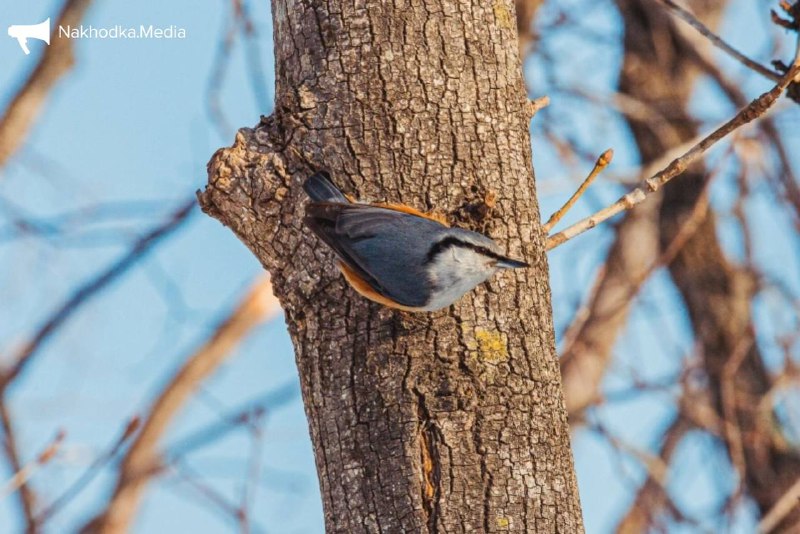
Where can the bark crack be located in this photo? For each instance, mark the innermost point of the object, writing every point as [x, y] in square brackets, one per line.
[429, 438]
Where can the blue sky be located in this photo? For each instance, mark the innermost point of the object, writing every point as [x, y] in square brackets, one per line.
[131, 125]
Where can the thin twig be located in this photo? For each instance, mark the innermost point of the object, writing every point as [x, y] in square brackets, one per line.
[717, 41]
[239, 417]
[91, 288]
[537, 104]
[755, 109]
[91, 472]
[250, 484]
[192, 479]
[62, 314]
[601, 163]
[785, 175]
[27, 499]
[651, 497]
[23, 475]
[687, 230]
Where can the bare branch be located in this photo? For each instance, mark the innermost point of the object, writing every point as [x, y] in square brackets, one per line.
[652, 497]
[782, 508]
[588, 342]
[142, 459]
[537, 104]
[716, 40]
[91, 472]
[755, 109]
[601, 163]
[56, 61]
[20, 477]
[91, 288]
[62, 314]
[27, 499]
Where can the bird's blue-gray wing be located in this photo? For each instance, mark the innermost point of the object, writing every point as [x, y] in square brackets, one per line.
[320, 188]
[387, 248]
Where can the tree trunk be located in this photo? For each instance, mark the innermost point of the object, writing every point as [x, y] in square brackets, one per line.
[446, 422]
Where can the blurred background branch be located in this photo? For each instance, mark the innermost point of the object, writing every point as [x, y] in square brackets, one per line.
[55, 62]
[677, 321]
[141, 461]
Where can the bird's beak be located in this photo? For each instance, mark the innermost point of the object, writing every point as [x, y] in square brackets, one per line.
[508, 263]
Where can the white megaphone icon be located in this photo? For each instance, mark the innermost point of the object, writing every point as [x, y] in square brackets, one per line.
[21, 32]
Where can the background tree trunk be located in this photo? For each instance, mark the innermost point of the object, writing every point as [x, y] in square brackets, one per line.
[452, 421]
[659, 69]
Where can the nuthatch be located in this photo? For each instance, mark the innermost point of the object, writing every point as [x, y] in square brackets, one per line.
[398, 256]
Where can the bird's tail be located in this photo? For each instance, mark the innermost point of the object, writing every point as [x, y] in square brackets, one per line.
[320, 188]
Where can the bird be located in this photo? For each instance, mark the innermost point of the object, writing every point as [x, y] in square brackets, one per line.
[396, 255]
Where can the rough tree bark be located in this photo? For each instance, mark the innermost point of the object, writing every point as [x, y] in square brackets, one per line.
[448, 422]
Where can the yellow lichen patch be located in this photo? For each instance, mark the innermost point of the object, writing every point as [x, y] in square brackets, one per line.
[502, 522]
[492, 345]
[504, 16]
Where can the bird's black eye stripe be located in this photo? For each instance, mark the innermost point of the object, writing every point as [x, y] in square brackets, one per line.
[440, 246]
